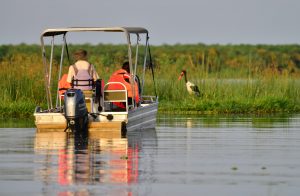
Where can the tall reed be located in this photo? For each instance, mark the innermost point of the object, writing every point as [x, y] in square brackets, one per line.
[234, 96]
[232, 79]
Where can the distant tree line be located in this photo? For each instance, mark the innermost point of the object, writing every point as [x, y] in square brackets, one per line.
[215, 60]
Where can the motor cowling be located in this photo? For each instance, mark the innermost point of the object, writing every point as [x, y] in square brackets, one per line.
[75, 109]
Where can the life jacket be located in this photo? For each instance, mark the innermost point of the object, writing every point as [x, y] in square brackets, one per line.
[123, 76]
[63, 85]
[83, 79]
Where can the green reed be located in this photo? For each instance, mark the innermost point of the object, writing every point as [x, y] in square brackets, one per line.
[233, 96]
[232, 79]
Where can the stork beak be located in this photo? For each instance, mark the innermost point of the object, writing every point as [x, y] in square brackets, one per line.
[181, 74]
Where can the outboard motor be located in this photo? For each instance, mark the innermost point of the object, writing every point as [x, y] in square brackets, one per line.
[75, 110]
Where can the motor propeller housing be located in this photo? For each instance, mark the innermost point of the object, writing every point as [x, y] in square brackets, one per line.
[75, 110]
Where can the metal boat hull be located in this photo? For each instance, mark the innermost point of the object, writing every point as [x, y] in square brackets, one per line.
[142, 117]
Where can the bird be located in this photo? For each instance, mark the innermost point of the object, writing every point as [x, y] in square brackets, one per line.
[191, 88]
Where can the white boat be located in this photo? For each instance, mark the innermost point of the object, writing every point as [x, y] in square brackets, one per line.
[102, 114]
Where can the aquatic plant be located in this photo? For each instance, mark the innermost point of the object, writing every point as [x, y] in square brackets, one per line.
[231, 78]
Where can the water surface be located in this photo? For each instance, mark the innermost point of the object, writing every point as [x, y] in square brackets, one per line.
[184, 155]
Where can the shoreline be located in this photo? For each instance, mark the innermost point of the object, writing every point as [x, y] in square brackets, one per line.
[19, 111]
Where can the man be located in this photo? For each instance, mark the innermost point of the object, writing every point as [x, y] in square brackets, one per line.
[82, 74]
[123, 75]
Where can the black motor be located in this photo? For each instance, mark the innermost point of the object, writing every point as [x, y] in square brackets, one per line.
[75, 110]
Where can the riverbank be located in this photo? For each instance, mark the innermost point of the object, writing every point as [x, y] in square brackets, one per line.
[231, 78]
[223, 96]
[218, 96]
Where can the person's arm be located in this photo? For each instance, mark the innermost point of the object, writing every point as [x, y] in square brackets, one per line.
[71, 73]
[95, 74]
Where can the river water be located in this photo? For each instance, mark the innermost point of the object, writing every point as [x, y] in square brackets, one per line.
[184, 155]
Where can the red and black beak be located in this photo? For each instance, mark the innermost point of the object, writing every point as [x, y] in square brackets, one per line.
[181, 74]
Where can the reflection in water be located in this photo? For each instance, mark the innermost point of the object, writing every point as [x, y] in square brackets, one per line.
[185, 155]
[238, 155]
[69, 159]
[221, 121]
[16, 122]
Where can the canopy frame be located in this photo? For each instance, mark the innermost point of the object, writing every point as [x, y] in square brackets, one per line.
[128, 31]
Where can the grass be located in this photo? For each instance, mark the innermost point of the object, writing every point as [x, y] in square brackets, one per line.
[234, 96]
[233, 82]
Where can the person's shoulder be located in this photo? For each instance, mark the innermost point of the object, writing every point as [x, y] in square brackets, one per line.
[71, 67]
[92, 66]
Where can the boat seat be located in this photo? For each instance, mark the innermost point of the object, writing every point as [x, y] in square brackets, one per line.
[112, 99]
[115, 97]
[88, 94]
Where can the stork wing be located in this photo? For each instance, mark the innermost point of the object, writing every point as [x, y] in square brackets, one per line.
[195, 89]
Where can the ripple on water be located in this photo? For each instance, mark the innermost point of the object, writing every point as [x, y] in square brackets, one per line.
[184, 155]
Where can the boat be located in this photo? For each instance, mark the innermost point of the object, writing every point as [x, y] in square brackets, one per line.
[96, 109]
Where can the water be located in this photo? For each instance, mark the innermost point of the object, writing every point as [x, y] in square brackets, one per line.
[184, 155]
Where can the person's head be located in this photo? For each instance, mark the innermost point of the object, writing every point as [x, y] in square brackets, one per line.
[126, 66]
[80, 55]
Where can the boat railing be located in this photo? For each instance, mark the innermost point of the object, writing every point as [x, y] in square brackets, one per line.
[115, 97]
[148, 99]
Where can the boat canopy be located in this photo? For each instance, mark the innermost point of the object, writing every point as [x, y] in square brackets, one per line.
[127, 30]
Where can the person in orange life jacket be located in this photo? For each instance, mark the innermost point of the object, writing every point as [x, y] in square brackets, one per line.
[123, 76]
[82, 70]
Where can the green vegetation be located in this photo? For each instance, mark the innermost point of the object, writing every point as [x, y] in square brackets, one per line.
[231, 78]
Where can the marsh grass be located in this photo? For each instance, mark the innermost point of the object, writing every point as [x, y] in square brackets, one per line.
[261, 95]
[233, 82]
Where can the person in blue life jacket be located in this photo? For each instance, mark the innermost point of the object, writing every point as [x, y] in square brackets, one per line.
[82, 73]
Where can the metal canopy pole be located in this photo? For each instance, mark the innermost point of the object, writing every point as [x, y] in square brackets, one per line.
[46, 74]
[129, 50]
[145, 61]
[130, 65]
[136, 53]
[60, 68]
[135, 67]
[51, 60]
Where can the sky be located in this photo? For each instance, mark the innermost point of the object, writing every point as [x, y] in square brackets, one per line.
[168, 21]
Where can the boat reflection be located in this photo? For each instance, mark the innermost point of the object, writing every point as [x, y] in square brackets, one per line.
[68, 158]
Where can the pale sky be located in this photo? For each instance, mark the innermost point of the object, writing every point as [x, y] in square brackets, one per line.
[168, 21]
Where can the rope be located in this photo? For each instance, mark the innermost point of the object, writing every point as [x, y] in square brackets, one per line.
[152, 70]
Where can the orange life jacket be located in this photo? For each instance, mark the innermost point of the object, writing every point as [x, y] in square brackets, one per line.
[123, 76]
[63, 85]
